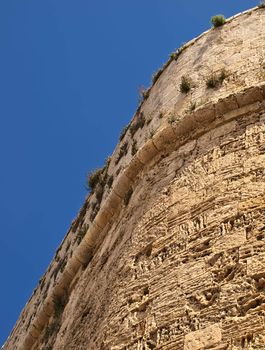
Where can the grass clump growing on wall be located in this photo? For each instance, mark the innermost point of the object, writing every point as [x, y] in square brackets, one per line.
[175, 55]
[98, 177]
[212, 81]
[186, 84]
[94, 178]
[218, 20]
[171, 119]
[215, 80]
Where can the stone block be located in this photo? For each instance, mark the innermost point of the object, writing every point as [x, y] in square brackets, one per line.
[203, 338]
[147, 152]
[164, 137]
[249, 97]
[122, 185]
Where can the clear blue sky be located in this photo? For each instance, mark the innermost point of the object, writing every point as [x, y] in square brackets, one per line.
[69, 74]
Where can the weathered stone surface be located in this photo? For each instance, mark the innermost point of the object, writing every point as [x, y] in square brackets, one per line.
[204, 338]
[174, 256]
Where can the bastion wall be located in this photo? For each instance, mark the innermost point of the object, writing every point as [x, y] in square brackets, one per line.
[168, 251]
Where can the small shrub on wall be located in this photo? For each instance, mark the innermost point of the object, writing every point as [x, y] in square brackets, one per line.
[94, 178]
[171, 119]
[212, 81]
[218, 20]
[186, 84]
[215, 80]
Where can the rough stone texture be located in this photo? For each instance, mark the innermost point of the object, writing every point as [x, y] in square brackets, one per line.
[182, 265]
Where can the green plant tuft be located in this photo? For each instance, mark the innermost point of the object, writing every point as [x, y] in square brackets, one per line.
[218, 20]
[215, 80]
[262, 4]
[175, 55]
[93, 178]
[186, 84]
[171, 119]
[212, 81]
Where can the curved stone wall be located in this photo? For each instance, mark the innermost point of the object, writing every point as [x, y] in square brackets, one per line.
[180, 266]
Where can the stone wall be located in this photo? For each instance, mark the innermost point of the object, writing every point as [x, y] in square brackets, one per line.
[180, 265]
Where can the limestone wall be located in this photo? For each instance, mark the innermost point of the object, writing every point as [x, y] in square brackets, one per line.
[180, 266]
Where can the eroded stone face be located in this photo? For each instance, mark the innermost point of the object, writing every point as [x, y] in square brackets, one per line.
[182, 265]
[207, 337]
